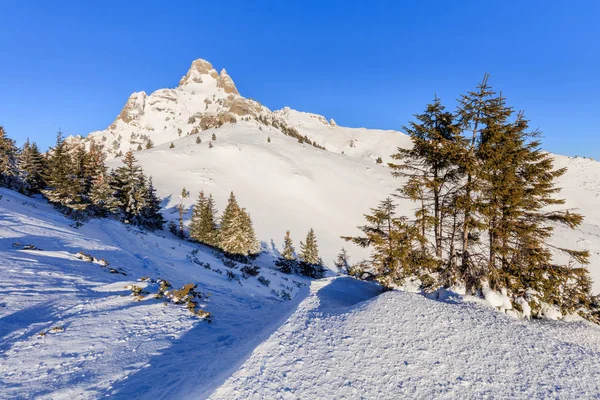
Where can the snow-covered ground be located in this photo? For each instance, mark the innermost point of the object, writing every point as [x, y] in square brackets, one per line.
[70, 328]
[403, 345]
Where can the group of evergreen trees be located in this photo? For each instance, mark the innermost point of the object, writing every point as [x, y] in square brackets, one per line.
[483, 188]
[78, 183]
[308, 262]
[234, 234]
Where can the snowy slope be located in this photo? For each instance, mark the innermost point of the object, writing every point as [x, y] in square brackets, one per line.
[286, 185]
[402, 345]
[70, 328]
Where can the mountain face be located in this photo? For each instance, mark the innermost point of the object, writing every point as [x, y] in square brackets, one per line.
[292, 170]
[208, 99]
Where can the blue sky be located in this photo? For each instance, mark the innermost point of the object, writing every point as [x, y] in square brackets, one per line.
[72, 64]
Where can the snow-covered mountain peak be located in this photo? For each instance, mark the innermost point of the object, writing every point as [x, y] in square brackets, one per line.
[226, 83]
[198, 69]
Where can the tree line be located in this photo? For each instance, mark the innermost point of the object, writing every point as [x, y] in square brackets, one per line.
[486, 207]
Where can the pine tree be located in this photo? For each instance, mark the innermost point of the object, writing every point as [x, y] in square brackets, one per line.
[342, 263]
[64, 187]
[251, 244]
[214, 136]
[311, 264]
[172, 146]
[149, 144]
[203, 226]
[236, 234]
[31, 168]
[230, 232]
[269, 139]
[139, 147]
[94, 167]
[198, 140]
[102, 197]
[130, 189]
[430, 168]
[396, 245]
[196, 228]
[287, 262]
[8, 160]
[151, 217]
[210, 145]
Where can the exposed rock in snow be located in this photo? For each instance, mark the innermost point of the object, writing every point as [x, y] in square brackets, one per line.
[199, 67]
[332, 122]
[134, 108]
[225, 82]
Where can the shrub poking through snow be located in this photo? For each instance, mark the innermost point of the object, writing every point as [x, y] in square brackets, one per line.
[249, 270]
[264, 281]
[187, 295]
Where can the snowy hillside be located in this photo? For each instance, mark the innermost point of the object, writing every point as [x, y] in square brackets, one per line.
[284, 184]
[70, 327]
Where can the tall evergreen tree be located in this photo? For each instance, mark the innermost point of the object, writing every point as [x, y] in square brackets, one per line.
[31, 168]
[230, 232]
[431, 169]
[130, 189]
[251, 244]
[203, 226]
[8, 160]
[63, 186]
[151, 217]
[102, 196]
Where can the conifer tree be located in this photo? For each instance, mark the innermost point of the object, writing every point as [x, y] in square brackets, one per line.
[151, 217]
[31, 168]
[214, 136]
[342, 263]
[8, 160]
[196, 228]
[236, 234]
[149, 144]
[251, 245]
[139, 147]
[130, 189]
[311, 264]
[198, 140]
[203, 226]
[396, 245]
[430, 169]
[286, 261]
[172, 146]
[102, 197]
[63, 184]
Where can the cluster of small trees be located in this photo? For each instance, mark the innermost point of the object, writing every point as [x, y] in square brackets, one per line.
[486, 208]
[234, 234]
[78, 183]
[307, 263]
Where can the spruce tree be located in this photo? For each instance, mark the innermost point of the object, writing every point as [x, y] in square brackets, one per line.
[230, 231]
[311, 264]
[8, 160]
[396, 246]
[196, 229]
[251, 245]
[342, 264]
[431, 171]
[102, 197]
[130, 189]
[31, 168]
[63, 184]
[286, 262]
[149, 144]
[151, 217]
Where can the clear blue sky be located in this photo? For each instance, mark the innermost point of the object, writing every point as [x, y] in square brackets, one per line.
[72, 64]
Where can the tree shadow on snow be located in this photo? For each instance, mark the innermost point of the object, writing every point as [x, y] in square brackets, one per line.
[343, 293]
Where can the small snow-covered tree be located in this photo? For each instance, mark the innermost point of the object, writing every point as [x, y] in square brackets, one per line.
[342, 263]
[102, 197]
[203, 226]
[287, 262]
[151, 217]
[311, 264]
